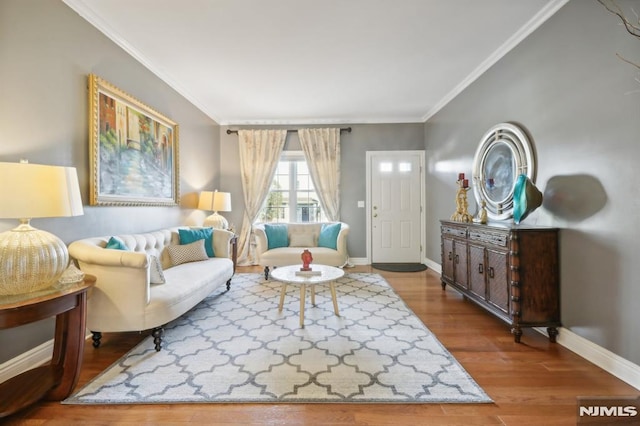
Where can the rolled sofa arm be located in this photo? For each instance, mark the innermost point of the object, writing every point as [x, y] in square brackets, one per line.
[222, 243]
[341, 242]
[262, 244]
[92, 252]
[122, 289]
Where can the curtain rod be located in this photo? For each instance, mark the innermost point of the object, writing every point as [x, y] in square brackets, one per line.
[343, 129]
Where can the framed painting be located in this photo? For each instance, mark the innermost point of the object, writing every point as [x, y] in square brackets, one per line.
[133, 150]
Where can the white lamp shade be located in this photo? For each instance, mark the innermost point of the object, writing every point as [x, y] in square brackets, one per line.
[206, 200]
[35, 190]
[215, 201]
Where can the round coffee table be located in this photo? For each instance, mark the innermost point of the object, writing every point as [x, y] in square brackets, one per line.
[287, 276]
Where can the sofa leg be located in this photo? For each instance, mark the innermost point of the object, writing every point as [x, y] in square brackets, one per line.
[229, 284]
[157, 334]
[266, 272]
[96, 336]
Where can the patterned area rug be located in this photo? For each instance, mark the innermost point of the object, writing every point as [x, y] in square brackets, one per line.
[236, 347]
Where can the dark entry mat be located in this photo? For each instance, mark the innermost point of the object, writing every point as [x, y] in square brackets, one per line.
[400, 267]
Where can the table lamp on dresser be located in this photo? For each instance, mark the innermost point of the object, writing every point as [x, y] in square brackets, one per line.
[33, 259]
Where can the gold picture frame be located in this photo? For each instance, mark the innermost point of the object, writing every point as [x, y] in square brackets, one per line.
[133, 150]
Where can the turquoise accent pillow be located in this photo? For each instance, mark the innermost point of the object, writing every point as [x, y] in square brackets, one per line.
[116, 244]
[277, 235]
[188, 236]
[329, 235]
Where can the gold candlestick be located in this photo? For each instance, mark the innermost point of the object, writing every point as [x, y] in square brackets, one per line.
[462, 214]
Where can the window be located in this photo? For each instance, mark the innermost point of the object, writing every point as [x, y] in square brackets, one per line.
[292, 197]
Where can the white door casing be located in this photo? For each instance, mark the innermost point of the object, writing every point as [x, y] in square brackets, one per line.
[395, 196]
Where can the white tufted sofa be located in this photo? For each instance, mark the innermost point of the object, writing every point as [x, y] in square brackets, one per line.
[284, 256]
[123, 298]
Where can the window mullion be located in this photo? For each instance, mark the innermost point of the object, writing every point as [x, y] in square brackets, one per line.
[293, 191]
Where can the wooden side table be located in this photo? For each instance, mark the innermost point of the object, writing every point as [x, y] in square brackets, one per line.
[56, 380]
[234, 251]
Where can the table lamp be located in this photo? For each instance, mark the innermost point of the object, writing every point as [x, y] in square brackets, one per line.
[32, 259]
[215, 201]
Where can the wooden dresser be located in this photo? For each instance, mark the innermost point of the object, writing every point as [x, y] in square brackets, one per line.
[511, 271]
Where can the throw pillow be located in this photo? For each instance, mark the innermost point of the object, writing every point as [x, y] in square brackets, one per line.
[302, 240]
[155, 269]
[184, 253]
[116, 244]
[329, 235]
[277, 235]
[188, 236]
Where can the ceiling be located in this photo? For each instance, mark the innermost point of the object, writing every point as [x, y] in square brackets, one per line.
[317, 61]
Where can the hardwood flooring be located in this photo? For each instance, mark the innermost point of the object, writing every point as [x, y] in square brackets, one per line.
[532, 383]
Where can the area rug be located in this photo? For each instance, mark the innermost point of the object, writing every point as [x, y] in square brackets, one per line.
[400, 267]
[236, 347]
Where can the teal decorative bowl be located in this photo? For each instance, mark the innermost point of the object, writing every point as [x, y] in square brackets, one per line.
[526, 198]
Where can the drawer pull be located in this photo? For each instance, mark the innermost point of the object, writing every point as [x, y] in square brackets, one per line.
[491, 272]
[480, 268]
[457, 258]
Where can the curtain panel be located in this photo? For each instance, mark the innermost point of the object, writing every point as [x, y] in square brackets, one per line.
[322, 151]
[259, 155]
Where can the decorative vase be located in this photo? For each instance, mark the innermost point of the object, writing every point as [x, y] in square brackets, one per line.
[307, 258]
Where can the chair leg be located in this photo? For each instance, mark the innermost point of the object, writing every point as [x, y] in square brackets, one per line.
[157, 334]
[229, 284]
[266, 272]
[96, 336]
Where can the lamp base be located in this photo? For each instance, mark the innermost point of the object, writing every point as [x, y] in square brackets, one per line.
[216, 221]
[30, 260]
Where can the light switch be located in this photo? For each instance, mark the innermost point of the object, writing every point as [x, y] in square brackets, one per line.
[361, 204]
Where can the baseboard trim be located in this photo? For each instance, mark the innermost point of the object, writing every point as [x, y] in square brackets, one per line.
[434, 266]
[613, 364]
[33, 358]
[359, 261]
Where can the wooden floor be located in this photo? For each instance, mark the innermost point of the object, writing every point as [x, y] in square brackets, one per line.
[532, 383]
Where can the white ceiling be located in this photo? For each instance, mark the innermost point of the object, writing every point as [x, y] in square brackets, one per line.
[317, 61]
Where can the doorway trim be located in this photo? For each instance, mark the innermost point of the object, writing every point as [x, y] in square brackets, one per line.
[368, 210]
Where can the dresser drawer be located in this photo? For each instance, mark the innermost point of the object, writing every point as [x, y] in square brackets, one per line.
[455, 232]
[495, 238]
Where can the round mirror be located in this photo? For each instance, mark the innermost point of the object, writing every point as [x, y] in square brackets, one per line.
[504, 153]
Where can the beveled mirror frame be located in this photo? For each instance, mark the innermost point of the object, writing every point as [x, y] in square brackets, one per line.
[504, 153]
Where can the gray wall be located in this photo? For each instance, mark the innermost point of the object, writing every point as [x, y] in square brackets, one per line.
[46, 53]
[581, 107]
[353, 148]
[579, 103]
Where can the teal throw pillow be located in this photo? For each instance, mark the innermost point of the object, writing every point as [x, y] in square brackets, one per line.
[116, 244]
[329, 235]
[277, 235]
[188, 236]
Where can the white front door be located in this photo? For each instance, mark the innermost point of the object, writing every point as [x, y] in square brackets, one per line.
[395, 205]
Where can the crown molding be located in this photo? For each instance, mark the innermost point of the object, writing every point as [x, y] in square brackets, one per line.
[83, 8]
[323, 121]
[545, 13]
